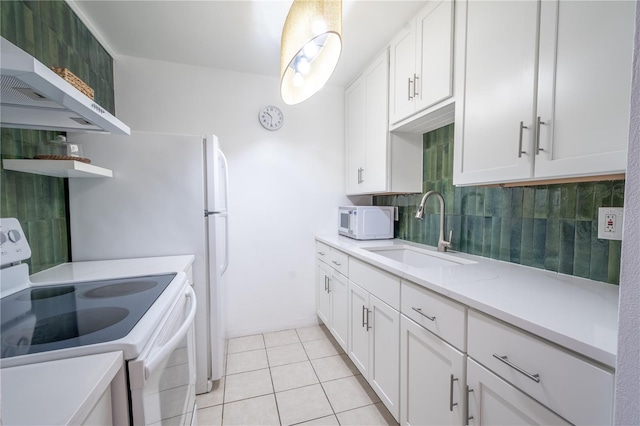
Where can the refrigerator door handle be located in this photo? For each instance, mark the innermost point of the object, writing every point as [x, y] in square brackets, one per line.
[226, 245]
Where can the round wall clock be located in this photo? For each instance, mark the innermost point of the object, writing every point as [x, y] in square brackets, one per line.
[271, 117]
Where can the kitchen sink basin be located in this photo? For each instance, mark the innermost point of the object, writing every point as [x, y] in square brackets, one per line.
[417, 257]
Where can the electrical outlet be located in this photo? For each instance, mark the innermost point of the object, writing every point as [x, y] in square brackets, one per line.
[610, 223]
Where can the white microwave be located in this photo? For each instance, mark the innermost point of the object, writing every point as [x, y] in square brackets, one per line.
[366, 222]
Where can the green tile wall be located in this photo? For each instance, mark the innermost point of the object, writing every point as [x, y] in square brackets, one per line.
[53, 34]
[39, 202]
[551, 227]
[50, 31]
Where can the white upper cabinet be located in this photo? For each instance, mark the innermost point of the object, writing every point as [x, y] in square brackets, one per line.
[543, 97]
[586, 56]
[497, 95]
[377, 161]
[421, 62]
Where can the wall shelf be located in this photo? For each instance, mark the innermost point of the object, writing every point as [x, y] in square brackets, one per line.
[57, 168]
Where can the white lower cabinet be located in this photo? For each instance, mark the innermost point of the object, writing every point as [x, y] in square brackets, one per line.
[374, 343]
[323, 294]
[571, 386]
[434, 361]
[432, 379]
[332, 301]
[339, 291]
[493, 401]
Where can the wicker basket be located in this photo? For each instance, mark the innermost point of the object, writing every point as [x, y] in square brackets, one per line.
[73, 80]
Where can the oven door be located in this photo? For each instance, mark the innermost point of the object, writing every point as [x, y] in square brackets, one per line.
[162, 379]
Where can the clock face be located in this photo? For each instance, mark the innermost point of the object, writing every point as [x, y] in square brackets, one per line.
[271, 117]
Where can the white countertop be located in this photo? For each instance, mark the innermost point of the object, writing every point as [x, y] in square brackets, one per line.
[57, 392]
[117, 268]
[576, 313]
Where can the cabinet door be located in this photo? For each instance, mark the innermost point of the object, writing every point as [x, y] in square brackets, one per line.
[434, 54]
[402, 69]
[376, 79]
[323, 296]
[355, 136]
[431, 378]
[495, 121]
[384, 354]
[358, 342]
[492, 401]
[340, 308]
[584, 86]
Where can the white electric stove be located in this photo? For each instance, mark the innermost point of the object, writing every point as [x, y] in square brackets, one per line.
[149, 318]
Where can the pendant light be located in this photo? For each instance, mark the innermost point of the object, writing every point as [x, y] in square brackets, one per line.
[310, 49]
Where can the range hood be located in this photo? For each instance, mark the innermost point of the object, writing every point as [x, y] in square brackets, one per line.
[34, 97]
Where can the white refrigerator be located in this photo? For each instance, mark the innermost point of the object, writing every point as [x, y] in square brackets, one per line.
[167, 196]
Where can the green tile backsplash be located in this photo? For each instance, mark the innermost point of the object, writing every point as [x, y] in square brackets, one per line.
[50, 31]
[53, 34]
[551, 227]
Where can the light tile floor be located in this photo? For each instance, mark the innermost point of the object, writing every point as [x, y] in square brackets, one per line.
[291, 377]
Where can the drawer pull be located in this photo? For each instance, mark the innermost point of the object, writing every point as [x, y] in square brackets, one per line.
[419, 310]
[534, 377]
[451, 403]
[336, 262]
[321, 253]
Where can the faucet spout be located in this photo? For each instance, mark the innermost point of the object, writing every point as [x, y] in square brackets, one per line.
[443, 244]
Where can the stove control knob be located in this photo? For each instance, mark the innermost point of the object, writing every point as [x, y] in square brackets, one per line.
[3, 238]
[14, 236]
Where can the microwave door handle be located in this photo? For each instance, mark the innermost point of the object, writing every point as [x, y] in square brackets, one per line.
[156, 360]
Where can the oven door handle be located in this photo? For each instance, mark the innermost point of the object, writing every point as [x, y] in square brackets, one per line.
[152, 363]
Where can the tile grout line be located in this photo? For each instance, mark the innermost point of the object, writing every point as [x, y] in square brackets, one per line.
[273, 392]
[271, 377]
[321, 386]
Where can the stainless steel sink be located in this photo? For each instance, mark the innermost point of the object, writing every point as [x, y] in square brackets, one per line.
[417, 257]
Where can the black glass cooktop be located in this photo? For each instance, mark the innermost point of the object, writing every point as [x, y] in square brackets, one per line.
[46, 318]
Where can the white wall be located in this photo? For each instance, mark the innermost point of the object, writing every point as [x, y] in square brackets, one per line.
[627, 403]
[284, 185]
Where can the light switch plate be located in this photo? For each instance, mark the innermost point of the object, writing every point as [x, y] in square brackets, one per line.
[610, 223]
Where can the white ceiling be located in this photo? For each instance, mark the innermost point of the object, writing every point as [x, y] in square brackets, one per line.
[240, 35]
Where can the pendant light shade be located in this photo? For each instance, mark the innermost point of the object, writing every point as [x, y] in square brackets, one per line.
[310, 49]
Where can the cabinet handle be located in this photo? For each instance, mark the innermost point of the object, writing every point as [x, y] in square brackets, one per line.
[360, 179]
[336, 262]
[451, 403]
[534, 377]
[419, 310]
[368, 326]
[326, 283]
[409, 97]
[538, 149]
[467, 417]
[415, 85]
[363, 314]
[520, 151]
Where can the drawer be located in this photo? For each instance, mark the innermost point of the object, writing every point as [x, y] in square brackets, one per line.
[323, 252]
[573, 387]
[381, 284]
[443, 317]
[340, 261]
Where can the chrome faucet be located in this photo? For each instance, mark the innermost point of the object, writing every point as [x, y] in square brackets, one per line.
[443, 245]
